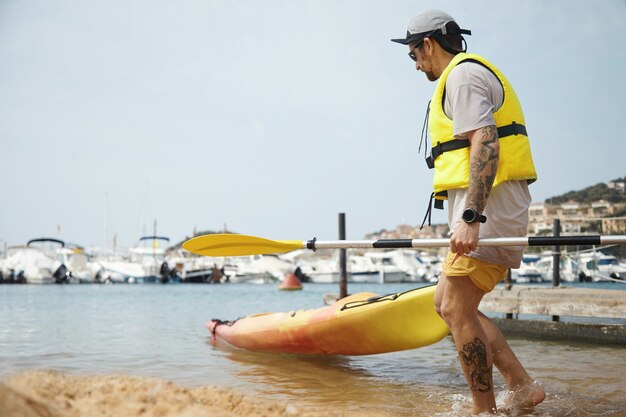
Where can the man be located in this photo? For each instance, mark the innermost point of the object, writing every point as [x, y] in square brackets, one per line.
[483, 165]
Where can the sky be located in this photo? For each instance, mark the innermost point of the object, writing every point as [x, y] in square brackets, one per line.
[270, 117]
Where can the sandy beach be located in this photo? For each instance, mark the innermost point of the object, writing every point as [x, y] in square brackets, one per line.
[56, 394]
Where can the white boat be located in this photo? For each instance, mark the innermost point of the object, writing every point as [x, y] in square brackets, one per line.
[32, 264]
[433, 266]
[412, 265]
[360, 269]
[81, 269]
[315, 268]
[386, 263]
[26, 265]
[528, 270]
[305, 262]
[367, 268]
[569, 270]
[145, 264]
[150, 253]
[407, 261]
[597, 266]
[374, 267]
[256, 269]
[321, 273]
[194, 269]
[611, 266]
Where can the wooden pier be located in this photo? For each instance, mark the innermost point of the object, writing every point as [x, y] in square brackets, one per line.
[557, 301]
[551, 304]
[547, 305]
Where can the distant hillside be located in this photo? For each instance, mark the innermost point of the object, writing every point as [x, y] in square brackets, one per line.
[600, 191]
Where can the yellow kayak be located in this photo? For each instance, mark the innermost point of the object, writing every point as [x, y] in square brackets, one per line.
[361, 324]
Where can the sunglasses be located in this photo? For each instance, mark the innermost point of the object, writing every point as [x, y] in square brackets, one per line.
[411, 54]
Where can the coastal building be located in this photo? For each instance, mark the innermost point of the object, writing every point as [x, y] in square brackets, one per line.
[616, 185]
[614, 225]
[596, 217]
[406, 231]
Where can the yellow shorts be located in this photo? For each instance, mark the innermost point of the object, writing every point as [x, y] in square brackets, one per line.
[483, 274]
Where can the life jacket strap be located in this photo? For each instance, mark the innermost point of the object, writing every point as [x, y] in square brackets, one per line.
[448, 146]
[438, 205]
[452, 145]
[429, 209]
[512, 129]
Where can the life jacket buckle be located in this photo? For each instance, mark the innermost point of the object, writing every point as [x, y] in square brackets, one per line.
[430, 162]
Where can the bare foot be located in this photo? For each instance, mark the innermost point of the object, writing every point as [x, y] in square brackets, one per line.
[525, 395]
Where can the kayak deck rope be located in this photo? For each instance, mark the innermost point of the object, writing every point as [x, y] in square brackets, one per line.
[386, 297]
[219, 322]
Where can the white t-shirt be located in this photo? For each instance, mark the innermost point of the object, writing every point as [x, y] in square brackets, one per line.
[473, 94]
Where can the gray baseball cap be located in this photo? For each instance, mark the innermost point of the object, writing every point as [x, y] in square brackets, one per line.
[429, 24]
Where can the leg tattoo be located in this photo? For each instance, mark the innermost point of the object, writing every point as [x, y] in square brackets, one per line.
[474, 355]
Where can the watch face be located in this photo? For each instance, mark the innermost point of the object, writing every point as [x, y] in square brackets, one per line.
[469, 215]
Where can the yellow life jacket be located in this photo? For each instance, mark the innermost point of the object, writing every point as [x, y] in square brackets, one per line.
[450, 156]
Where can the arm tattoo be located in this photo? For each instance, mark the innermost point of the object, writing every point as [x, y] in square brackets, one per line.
[474, 355]
[483, 168]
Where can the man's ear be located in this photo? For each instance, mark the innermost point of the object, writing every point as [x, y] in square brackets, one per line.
[429, 46]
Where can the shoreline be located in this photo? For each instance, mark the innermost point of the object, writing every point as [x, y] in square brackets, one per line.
[45, 393]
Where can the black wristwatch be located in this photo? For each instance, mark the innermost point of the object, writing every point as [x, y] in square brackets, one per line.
[472, 216]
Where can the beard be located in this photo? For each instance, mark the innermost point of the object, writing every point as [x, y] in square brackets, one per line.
[431, 76]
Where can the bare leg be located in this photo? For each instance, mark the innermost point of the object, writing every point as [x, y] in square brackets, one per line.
[457, 301]
[503, 357]
[524, 391]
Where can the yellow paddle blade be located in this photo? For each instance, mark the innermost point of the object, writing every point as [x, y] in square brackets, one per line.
[238, 245]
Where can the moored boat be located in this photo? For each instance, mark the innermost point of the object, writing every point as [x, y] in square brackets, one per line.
[28, 265]
[81, 269]
[146, 264]
[35, 263]
[528, 270]
[256, 269]
[598, 266]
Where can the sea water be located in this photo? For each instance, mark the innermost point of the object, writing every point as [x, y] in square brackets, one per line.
[159, 331]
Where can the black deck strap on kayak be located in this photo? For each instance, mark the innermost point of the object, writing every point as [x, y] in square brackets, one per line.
[564, 240]
[310, 244]
[512, 129]
[371, 300]
[378, 299]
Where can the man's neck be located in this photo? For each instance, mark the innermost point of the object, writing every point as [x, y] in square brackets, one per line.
[442, 60]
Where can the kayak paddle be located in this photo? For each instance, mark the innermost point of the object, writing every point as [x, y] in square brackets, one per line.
[241, 245]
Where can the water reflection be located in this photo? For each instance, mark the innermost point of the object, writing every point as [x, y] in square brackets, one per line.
[347, 383]
[428, 381]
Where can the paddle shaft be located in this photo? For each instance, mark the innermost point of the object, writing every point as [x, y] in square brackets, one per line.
[225, 244]
[315, 244]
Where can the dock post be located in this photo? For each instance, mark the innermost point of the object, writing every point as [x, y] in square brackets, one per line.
[508, 280]
[343, 277]
[508, 284]
[556, 259]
